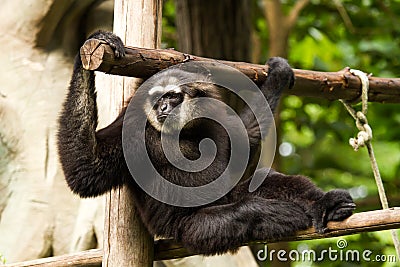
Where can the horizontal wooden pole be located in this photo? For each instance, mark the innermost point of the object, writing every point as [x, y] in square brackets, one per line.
[359, 222]
[142, 63]
[86, 258]
[168, 249]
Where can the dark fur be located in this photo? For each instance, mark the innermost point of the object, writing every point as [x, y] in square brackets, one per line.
[93, 163]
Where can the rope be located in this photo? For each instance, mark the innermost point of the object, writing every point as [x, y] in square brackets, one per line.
[364, 138]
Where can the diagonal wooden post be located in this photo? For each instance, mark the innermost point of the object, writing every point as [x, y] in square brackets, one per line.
[126, 241]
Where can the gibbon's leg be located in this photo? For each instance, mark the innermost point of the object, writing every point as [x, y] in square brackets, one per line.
[335, 205]
[218, 229]
[92, 162]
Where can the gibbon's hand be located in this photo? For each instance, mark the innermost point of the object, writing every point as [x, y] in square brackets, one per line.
[280, 73]
[112, 40]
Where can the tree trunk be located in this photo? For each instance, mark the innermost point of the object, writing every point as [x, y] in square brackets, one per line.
[126, 240]
[218, 29]
[280, 25]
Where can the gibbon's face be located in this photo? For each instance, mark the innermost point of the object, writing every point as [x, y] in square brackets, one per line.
[167, 98]
[173, 94]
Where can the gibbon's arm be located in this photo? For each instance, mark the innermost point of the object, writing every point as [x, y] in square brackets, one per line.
[92, 162]
[280, 77]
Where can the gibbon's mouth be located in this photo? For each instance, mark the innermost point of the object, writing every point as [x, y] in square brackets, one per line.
[161, 118]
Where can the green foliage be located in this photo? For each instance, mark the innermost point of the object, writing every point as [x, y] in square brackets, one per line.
[2, 259]
[303, 52]
[319, 130]
[169, 38]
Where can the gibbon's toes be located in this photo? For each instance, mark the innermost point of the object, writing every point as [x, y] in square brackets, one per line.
[335, 205]
[322, 230]
[338, 199]
[339, 205]
[341, 212]
[112, 40]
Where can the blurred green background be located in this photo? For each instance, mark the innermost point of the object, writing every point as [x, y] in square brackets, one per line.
[328, 36]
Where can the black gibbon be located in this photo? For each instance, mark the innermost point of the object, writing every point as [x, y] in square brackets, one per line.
[93, 163]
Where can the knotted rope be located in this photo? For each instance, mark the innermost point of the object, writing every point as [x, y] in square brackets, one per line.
[364, 138]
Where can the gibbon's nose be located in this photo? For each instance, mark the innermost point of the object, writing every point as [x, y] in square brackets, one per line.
[163, 110]
[163, 107]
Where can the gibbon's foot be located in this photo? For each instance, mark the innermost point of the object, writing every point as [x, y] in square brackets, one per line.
[112, 40]
[335, 205]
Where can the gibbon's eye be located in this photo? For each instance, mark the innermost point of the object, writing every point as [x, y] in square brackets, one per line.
[166, 104]
[174, 97]
[190, 90]
[171, 99]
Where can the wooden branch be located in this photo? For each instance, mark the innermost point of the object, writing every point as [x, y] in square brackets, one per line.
[142, 63]
[360, 222]
[87, 258]
[168, 249]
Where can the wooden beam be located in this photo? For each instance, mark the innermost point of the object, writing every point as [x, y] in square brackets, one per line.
[87, 258]
[142, 63]
[360, 222]
[168, 249]
[126, 240]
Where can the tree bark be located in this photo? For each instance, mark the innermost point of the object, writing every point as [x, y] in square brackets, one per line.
[143, 63]
[280, 25]
[218, 29]
[126, 240]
